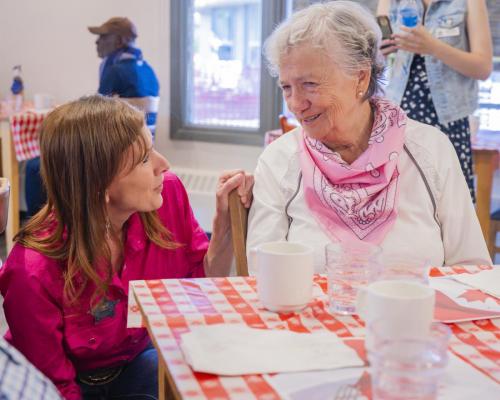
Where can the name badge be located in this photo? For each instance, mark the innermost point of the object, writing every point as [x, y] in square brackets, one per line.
[447, 32]
[105, 309]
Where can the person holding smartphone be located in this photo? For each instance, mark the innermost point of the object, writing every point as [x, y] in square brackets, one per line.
[437, 65]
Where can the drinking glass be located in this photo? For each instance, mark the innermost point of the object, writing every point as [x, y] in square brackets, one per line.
[349, 266]
[409, 368]
[399, 267]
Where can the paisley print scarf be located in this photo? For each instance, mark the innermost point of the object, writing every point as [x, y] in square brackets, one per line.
[357, 201]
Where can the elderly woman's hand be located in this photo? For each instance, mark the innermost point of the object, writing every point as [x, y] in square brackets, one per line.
[230, 180]
[219, 254]
[417, 40]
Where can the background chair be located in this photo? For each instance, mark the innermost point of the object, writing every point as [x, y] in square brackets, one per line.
[494, 229]
[485, 163]
[239, 215]
[4, 203]
[149, 105]
[285, 124]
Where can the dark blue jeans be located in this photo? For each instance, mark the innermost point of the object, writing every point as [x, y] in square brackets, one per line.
[35, 192]
[137, 381]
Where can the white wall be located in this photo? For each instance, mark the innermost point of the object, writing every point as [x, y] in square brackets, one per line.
[50, 40]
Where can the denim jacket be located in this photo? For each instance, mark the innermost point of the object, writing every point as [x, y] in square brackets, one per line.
[454, 95]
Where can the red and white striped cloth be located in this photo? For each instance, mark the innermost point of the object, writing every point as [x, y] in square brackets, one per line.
[24, 128]
[173, 306]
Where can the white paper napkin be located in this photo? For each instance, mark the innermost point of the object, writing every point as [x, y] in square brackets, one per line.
[235, 349]
[488, 281]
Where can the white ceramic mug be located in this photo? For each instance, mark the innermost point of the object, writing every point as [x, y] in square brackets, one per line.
[284, 275]
[406, 309]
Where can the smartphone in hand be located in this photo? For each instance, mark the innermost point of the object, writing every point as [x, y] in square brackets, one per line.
[385, 26]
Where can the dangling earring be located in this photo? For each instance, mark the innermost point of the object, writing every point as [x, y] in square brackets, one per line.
[107, 227]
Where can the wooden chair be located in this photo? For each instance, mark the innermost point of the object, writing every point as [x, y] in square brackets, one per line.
[149, 105]
[285, 125]
[4, 203]
[494, 229]
[239, 215]
[485, 163]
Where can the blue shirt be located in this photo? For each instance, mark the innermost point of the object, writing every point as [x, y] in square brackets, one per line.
[125, 73]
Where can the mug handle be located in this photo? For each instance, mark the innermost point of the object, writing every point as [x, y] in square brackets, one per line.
[361, 303]
[252, 260]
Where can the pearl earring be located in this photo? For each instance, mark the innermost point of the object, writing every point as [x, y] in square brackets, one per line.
[361, 93]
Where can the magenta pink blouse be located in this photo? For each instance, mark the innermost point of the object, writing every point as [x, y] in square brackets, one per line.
[60, 338]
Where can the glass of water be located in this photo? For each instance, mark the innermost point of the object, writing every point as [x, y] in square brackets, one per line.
[405, 268]
[349, 266]
[409, 368]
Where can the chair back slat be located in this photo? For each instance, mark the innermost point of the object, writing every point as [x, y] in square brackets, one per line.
[147, 104]
[285, 125]
[238, 215]
[485, 163]
[4, 203]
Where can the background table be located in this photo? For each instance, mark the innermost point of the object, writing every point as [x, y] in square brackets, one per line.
[19, 138]
[171, 307]
[485, 147]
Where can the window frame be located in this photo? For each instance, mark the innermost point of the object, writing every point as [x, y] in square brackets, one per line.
[273, 12]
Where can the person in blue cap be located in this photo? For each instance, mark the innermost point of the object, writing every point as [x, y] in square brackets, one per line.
[123, 71]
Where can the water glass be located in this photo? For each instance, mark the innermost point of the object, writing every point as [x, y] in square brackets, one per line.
[397, 267]
[409, 368]
[349, 266]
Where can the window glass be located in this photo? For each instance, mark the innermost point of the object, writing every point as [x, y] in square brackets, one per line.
[489, 100]
[224, 80]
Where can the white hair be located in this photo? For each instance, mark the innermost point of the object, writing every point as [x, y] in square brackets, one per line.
[344, 30]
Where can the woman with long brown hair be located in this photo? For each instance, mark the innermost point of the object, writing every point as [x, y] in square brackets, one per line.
[113, 214]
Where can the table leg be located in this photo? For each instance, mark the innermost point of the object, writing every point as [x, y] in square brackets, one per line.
[165, 391]
[162, 381]
[10, 170]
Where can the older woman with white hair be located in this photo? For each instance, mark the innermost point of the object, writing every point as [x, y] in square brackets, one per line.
[357, 169]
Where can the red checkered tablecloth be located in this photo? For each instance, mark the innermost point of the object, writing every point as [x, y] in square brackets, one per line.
[172, 306]
[24, 128]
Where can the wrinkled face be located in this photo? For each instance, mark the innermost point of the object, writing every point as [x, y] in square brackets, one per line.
[106, 44]
[323, 98]
[139, 188]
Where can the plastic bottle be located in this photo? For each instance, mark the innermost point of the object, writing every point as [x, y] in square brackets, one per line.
[408, 13]
[17, 88]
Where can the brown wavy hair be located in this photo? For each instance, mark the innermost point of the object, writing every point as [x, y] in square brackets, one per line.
[83, 145]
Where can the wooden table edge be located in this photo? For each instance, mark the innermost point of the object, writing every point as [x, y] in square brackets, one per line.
[167, 389]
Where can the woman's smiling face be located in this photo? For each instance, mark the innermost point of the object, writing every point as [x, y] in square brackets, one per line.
[323, 99]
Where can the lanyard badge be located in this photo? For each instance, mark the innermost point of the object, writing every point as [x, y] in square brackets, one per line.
[104, 309]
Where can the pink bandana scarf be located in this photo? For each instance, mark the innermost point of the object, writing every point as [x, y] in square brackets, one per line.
[357, 201]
